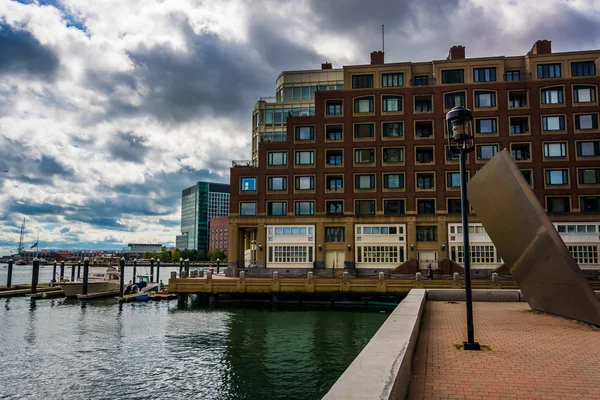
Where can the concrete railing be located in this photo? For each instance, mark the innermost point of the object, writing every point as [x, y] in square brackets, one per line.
[383, 368]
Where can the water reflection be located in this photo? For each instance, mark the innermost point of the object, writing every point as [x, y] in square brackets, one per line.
[103, 349]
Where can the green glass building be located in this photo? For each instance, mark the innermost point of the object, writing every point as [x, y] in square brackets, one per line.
[199, 204]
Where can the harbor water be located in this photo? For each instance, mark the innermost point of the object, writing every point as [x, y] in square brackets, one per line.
[66, 349]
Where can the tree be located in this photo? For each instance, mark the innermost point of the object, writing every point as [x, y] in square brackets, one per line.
[217, 254]
[176, 255]
[165, 255]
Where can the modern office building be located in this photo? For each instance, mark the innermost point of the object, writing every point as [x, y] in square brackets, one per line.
[142, 248]
[219, 230]
[199, 204]
[367, 182]
[295, 96]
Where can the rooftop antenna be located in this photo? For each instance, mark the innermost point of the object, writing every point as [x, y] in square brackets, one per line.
[383, 38]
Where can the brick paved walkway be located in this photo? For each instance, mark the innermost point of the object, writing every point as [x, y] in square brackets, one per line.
[534, 356]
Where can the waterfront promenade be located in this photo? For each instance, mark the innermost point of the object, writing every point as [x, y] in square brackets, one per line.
[532, 356]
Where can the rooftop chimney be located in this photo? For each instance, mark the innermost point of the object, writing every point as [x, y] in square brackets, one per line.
[456, 53]
[326, 65]
[377, 58]
[541, 47]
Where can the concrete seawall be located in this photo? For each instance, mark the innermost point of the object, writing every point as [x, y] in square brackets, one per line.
[383, 368]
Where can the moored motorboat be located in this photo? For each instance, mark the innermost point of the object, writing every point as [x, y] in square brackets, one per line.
[100, 280]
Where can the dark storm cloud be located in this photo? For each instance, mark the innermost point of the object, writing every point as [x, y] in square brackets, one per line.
[49, 166]
[127, 146]
[21, 53]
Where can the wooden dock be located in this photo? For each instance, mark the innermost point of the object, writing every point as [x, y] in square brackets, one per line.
[23, 290]
[357, 286]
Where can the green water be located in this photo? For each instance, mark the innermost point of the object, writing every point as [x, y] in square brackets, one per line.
[63, 349]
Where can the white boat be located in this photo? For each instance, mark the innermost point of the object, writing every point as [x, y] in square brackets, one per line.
[100, 279]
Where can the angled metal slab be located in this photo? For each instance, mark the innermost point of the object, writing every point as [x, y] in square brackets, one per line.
[528, 243]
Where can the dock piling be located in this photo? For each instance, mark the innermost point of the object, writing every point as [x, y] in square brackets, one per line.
[53, 280]
[78, 269]
[187, 267]
[122, 272]
[35, 273]
[152, 270]
[10, 271]
[134, 269]
[180, 265]
[72, 272]
[158, 270]
[62, 270]
[86, 273]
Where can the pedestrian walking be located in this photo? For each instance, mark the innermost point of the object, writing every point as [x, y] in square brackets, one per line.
[429, 272]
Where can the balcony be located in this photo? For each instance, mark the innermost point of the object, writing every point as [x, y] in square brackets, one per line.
[273, 137]
[244, 163]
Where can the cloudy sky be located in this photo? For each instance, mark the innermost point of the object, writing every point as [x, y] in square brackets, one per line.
[109, 108]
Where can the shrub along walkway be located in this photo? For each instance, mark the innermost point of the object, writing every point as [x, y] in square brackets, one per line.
[533, 355]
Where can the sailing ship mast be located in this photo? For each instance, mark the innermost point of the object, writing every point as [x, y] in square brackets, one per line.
[20, 248]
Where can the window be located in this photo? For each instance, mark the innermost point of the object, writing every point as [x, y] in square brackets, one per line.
[333, 132]
[334, 158]
[333, 107]
[426, 233]
[513, 75]
[423, 104]
[584, 254]
[380, 254]
[454, 206]
[366, 181]
[584, 68]
[362, 131]
[248, 184]
[277, 208]
[485, 99]
[393, 129]
[453, 76]
[545, 71]
[521, 152]
[553, 123]
[392, 80]
[424, 129]
[421, 80]
[425, 181]
[588, 149]
[362, 81]
[589, 176]
[305, 157]
[486, 151]
[450, 156]
[335, 183]
[557, 177]
[335, 207]
[393, 207]
[455, 99]
[305, 208]
[484, 74]
[519, 125]
[555, 150]
[305, 133]
[425, 206]
[586, 121]
[393, 181]
[277, 183]
[290, 254]
[558, 204]
[584, 94]
[393, 155]
[334, 234]
[364, 156]
[277, 158]
[247, 209]
[517, 99]
[488, 125]
[552, 95]
[424, 155]
[453, 179]
[392, 104]
[590, 204]
[364, 207]
[305, 183]
[363, 104]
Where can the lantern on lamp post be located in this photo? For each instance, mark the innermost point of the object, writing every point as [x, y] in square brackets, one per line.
[460, 141]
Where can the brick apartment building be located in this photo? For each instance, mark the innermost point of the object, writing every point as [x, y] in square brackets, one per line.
[366, 182]
[218, 236]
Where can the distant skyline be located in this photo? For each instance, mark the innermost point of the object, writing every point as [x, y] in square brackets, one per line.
[109, 109]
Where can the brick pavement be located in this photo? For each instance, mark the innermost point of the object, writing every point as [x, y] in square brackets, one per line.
[533, 356]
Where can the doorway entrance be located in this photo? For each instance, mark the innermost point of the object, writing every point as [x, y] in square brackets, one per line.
[426, 258]
[334, 259]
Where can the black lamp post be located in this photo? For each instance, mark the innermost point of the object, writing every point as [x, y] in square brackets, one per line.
[460, 141]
